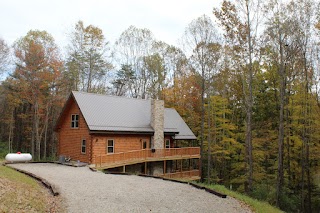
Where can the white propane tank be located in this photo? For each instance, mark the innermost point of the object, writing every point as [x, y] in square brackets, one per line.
[18, 157]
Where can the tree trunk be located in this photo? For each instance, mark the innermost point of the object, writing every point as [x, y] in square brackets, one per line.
[288, 133]
[308, 179]
[89, 75]
[45, 133]
[249, 106]
[10, 139]
[281, 124]
[202, 124]
[37, 132]
[302, 178]
[307, 135]
[209, 142]
[33, 133]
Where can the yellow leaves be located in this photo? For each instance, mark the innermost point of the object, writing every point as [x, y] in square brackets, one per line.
[185, 97]
[296, 141]
[229, 141]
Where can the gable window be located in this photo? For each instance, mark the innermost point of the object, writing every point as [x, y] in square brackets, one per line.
[167, 144]
[110, 146]
[75, 121]
[83, 146]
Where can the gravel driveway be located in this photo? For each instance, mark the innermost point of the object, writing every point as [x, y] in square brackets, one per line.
[87, 191]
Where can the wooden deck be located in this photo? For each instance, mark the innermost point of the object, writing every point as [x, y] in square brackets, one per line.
[140, 156]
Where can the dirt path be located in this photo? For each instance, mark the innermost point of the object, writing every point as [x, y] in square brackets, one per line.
[87, 191]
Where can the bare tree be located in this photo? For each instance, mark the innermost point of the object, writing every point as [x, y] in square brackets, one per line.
[87, 58]
[4, 55]
[130, 48]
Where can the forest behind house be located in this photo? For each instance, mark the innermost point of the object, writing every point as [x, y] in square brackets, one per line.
[245, 79]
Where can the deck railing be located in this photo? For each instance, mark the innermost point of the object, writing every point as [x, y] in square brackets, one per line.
[145, 155]
[181, 175]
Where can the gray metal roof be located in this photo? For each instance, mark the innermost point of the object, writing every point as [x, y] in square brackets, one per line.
[173, 121]
[121, 114]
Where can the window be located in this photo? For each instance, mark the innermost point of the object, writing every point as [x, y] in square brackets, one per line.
[144, 144]
[110, 146]
[83, 146]
[74, 121]
[167, 143]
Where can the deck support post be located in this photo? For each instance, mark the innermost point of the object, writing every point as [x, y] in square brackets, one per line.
[181, 168]
[176, 165]
[164, 167]
[145, 167]
[124, 169]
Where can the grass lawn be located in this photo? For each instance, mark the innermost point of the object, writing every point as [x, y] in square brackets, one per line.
[256, 205]
[20, 193]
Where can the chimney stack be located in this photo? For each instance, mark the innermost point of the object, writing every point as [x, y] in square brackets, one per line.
[157, 123]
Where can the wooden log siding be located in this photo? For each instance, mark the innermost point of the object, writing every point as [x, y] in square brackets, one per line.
[122, 143]
[70, 138]
[139, 156]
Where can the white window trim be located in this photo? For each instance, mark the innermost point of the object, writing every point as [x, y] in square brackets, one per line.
[85, 146]
[165, 144]
[107, 147]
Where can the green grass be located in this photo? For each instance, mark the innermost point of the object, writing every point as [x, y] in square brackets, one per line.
[15, 176]
[20, 193]
[256, 205]
[3, 149]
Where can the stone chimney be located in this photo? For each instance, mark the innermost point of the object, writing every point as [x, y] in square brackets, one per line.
[157, 123]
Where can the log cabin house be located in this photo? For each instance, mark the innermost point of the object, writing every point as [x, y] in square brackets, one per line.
[127, 135]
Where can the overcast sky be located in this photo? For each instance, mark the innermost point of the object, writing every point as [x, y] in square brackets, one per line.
[167, 19]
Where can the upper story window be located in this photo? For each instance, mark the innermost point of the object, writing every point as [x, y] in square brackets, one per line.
[167, 145]
[75, 121]
[83, 146]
